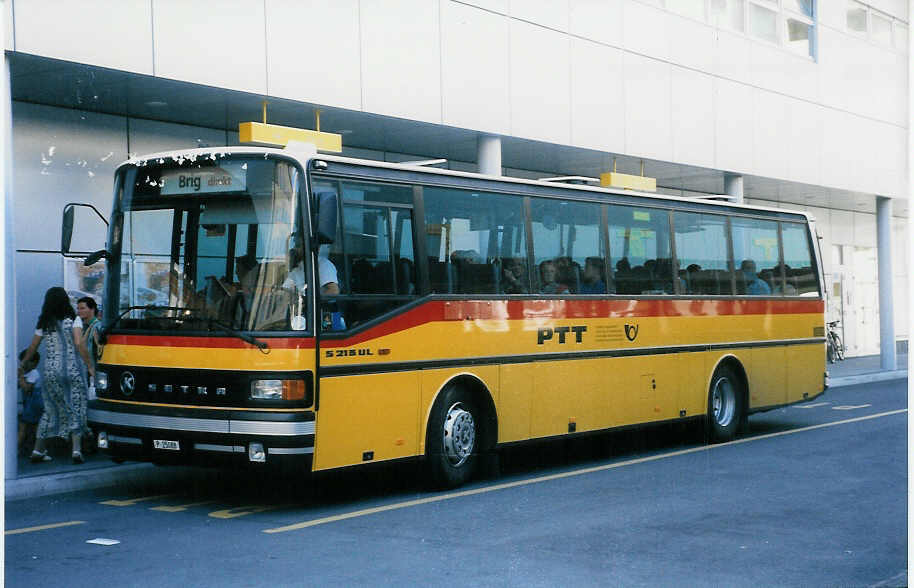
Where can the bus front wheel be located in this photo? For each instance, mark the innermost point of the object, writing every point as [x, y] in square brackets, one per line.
[725, 405]
[452, 439]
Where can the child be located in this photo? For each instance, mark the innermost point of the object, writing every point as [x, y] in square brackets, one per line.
[32, 404]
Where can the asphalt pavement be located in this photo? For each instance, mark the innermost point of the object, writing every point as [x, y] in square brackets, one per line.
[60, 475]
[812, 494]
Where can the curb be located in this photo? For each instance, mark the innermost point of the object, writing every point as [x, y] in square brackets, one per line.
[139, 474]
[867, 378]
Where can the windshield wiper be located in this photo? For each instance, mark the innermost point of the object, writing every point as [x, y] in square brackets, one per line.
[214, 322]
[104, 332]
[190, 316]
[262, 345]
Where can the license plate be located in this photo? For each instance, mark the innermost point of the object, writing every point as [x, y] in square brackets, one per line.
[166, 444]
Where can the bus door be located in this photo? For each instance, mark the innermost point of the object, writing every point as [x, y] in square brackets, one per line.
[368, 412]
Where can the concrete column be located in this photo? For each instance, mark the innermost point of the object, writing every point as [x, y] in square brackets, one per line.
[733, 186]
[886, 305]
[488, 155]
[7, 277]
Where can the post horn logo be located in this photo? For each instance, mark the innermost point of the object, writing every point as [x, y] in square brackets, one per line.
[631, 332]
[128, 382]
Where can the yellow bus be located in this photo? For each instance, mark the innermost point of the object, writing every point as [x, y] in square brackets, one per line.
[331, 312]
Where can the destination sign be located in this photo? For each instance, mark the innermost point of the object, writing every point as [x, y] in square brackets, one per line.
[211, 180]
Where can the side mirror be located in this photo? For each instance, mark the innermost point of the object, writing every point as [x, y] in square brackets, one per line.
[93, 258]
[327, 207]
[66, 229]
[66, 225]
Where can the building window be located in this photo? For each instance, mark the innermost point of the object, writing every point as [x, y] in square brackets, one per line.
[876, 26]
[881, 29]
[691, 8]
[803, 7]
[856, 17]
[799, 36]
[787, 23]
[728, 14]
[763, 23]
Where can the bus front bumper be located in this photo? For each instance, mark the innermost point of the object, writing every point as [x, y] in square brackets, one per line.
[203, 436]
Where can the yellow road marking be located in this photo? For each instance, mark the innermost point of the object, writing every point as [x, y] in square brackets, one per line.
[43, 527]
[133, 501]
[551, 477]
[180, 507]
[240, 511]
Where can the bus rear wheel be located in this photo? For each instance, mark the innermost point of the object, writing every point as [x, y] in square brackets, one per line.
[725, 405]
[452, 439]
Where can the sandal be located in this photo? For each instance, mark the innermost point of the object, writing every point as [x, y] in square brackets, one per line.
[78, 457]
[38, 456]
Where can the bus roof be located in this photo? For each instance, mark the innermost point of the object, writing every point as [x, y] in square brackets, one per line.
[304, 153]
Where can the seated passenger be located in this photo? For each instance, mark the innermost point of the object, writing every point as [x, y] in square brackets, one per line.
[548, 275]
[567, 272]
[755, 286]
[326, 273]
[593, 277]
[514, 277]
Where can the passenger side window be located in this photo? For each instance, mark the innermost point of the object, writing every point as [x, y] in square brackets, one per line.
[373, 254]
[705, 267]
[471, 239]
[799, 267]
[756, 254]
[567, 247]
[639, 247]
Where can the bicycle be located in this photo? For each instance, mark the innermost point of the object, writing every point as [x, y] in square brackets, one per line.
[835, 347]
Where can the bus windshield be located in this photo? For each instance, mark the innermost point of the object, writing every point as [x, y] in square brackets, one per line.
[209, 243]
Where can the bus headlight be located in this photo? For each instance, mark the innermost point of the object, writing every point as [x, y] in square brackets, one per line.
[278, 390]
[101, 381]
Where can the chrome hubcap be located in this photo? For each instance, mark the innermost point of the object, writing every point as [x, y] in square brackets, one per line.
[723, 402]
[459, 435]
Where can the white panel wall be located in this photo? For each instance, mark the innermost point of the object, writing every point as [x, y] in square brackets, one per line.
[733, 56]
[212, 42]
[540, 83]
[734, 125]
[298, 47]
[647, 107]
[521, 67]
[864, 229]
[475, 77]
[499, 6]
[645, 30]
[692, 117]
[772, 118]
[691, 43]
[804, 142]
[597, 20]
[401, 59]
[597, 100]
[71, 31]
[842, 226]
[548, 13]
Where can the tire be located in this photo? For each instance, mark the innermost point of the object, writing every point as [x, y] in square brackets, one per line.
[839, 348]
[830, 350]
[452, 439]
[726, 405]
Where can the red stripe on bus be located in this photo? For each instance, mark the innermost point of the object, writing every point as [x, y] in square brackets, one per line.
[171, 340]
[439, 310]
